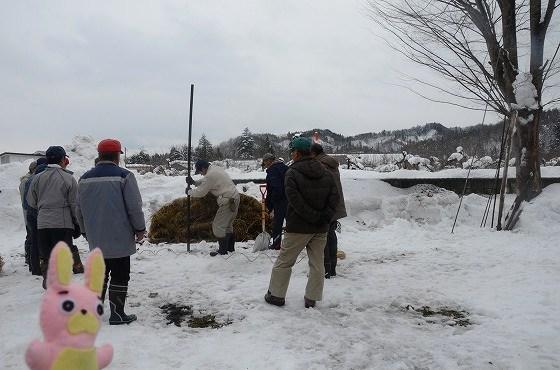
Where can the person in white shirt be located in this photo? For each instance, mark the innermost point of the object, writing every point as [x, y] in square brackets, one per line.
[217, 182]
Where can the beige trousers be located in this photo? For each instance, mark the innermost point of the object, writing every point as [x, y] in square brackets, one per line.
[223, 221]
[292, 245]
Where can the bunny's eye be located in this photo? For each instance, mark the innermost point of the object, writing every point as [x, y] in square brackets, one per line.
[67, 305]
[100, 309]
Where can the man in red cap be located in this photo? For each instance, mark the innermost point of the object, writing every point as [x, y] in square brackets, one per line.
[111, 217]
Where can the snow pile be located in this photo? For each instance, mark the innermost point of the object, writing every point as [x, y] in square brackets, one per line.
[483, 162]
[457, 156]
[417, 162]
[542, 213]
[375, 204]
[525, 92]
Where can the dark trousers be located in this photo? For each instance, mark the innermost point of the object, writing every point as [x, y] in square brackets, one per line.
[330, 250]
[27, 244]
[117, 270]
[47, 239]
[31, 225]
[278, 222]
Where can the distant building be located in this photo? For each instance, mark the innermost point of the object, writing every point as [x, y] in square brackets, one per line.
[10, 157]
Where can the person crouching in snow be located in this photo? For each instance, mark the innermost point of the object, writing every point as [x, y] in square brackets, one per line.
[217, 182]
[312, 200]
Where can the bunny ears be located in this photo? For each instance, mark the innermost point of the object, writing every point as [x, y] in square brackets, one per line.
[60, 269]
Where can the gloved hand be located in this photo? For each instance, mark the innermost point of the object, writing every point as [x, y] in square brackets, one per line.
[189, 180]
[189, 191]
[140, 235]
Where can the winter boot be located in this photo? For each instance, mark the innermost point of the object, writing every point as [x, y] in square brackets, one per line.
[77, 267]
[276, 301]
[222, 248]
[230, 239]
[44, 267]
[117, 299]
[309, 303]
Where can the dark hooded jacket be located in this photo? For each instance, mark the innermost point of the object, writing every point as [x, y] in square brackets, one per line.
[312, 197]
[276, 194]
[332, 166]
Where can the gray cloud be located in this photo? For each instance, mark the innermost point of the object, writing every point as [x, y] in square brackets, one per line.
[123, 69]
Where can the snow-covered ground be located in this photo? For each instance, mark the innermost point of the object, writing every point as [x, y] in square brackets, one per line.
[400, 253]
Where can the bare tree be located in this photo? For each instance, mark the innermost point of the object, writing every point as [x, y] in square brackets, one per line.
[477, 45]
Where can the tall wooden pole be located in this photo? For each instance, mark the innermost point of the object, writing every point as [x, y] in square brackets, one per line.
[509, 139]
[189, 158]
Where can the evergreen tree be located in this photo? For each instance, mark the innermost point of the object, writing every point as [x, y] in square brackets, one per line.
[267, 146]
[246, 145]
[204, 149]
[140, 158]
[175, 154]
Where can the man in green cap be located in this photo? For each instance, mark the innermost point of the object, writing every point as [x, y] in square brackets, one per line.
[312, 200]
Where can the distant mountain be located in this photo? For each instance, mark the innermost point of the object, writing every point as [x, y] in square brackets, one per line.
[431, 139]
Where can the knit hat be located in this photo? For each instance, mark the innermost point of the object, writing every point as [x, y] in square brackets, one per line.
[300, 143]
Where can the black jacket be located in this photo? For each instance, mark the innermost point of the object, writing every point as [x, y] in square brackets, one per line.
[312, 197]
[276, 193]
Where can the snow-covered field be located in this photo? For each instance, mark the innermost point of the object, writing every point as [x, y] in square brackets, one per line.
[401, 256]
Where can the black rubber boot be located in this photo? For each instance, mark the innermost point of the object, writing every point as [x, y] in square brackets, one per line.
[117, 299]
[222, 248]
[77, 267]
[309, 303]
[327, 270]
[230, 239]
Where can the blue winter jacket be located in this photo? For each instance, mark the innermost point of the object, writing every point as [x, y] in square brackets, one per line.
[110, 209]
[276, 194]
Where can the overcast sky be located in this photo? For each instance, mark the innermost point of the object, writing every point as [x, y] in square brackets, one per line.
[122, 69]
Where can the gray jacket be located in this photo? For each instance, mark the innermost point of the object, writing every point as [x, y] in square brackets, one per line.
[110, 209]
[22, 183]
[53, 194]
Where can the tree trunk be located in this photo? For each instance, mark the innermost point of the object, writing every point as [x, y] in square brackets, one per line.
[526, 152]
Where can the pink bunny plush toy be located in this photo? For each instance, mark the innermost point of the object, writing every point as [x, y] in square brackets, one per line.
[70, 317]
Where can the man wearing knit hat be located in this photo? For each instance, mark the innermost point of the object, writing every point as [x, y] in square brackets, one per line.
[53, 194]
[312, 200]
[111, 218]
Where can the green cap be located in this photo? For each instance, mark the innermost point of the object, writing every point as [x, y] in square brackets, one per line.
[300, 143]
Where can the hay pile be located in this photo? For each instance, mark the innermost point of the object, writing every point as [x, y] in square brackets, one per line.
[169, 224]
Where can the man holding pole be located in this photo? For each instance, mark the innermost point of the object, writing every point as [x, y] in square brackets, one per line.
[217, 182]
